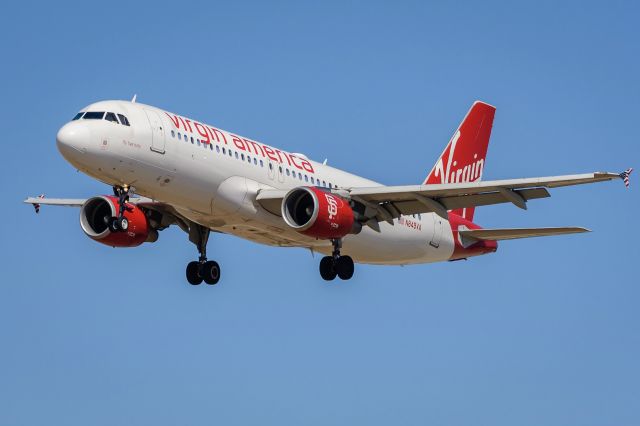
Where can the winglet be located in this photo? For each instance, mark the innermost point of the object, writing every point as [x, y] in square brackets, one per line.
[36, 206]
[625, 176]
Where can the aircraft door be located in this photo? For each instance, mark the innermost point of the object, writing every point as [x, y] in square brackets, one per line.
[157, 131]
[437, 230]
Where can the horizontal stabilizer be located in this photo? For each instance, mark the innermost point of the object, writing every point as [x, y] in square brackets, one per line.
[513, 233]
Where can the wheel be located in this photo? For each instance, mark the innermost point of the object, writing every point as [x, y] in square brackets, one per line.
[327, 271]
[112, 223]
[344, 267]
[123, 223]
[193, 273]
[210, 272]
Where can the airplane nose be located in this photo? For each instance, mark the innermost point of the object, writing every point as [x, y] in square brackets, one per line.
[73, 138]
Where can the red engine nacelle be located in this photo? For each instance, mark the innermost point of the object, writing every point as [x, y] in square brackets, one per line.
[318, 213]
[95, 214]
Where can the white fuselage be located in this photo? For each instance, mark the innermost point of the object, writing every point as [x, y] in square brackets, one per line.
[212, 177]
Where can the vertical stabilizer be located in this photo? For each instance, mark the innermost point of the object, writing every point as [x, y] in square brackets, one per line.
[464, 157]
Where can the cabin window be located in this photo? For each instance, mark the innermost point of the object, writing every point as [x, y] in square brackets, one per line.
[111, 117]
[224, 151]
[255, 162]
[299, 175]
[312, 180]
[261, 163]
[280, 169]
[179, 136]
[217, 148]
[270, 166]
[241, 156]
[77, 117]
[123, 120]
[288, 173]
[306, 178]
[211, 147]
[93, 115]
[173, 134]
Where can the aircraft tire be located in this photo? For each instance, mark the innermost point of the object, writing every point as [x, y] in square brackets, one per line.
[193, 273]
[210, 272]
[344, 267]
[327, 270]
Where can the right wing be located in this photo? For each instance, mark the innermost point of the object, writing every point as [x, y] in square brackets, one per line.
[384, 203]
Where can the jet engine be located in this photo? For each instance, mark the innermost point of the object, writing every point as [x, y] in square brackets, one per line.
[94, 220]
[318, 213]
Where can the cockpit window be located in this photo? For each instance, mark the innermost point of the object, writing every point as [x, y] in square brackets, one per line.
[123, 120]
[111, 117]
[93, 115]
[77, 117]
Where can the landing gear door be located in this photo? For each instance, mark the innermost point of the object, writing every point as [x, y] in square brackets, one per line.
[157, 131]
[437, 230]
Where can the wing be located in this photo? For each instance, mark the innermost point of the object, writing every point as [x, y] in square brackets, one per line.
[384, 203]
[66, 202]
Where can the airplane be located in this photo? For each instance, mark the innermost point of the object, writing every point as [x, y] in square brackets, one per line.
[166, 169]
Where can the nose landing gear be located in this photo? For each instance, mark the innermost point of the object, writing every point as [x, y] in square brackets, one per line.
[336, 265]
[202, 269]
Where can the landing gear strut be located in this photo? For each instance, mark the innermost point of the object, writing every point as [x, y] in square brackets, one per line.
[120, 223]
[336, 265]
[202, 269]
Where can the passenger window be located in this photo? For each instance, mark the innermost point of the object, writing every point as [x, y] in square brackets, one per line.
[93, 115]
[242, 155]
[261, 163]
[255, 162]
[211, 147]
[288, 173]
[249, 159]
[270, 166]
[280, 169]
[312, 180]
[306, 178]
[217, 148]
[111, 117]
[173, 134]
[77, 117]
[179, 135]
[299, 175]
[123, 120]
[236, 155]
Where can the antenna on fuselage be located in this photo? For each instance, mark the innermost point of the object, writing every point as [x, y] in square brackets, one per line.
[133, 100]
[324, 163]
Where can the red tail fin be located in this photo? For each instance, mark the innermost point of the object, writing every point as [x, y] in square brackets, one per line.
[464, 157]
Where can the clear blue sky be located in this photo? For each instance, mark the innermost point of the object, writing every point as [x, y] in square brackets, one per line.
[546, 331]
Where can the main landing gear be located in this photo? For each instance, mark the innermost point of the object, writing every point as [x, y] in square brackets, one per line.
[336, 265]
[120, 223]
[202, 269]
